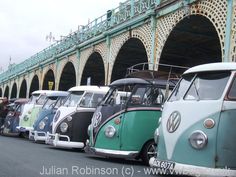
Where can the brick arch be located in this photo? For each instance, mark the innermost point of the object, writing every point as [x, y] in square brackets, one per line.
[215, 11]
[101, 49]
[31, 80]
[22, 89]
[144, 34]
[15, 86]
[66, 82]
[44, 75]
[6, 89]
[233, 39]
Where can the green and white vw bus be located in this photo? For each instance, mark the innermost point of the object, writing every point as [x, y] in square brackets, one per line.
[198, 126]
[123, 123]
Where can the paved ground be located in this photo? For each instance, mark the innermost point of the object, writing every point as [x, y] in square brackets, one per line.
[22, 158]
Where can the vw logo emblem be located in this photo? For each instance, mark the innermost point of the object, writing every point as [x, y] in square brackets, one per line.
[173, 122]
[26, 118]
[97, 119]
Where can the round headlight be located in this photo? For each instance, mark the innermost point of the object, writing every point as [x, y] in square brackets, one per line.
[110, 131]
[198, 140]
[64, 126]
[69, 118]
[156, 135]
[26, 118]
[42, 125]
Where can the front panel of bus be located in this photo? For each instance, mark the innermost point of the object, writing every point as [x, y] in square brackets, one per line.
[190, 119]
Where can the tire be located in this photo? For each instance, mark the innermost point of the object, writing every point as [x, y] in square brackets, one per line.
[148, 151]
[24, 135]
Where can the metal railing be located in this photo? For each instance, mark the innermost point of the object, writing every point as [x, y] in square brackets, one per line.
[126, 11]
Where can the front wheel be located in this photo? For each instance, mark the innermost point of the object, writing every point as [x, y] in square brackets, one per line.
[24, 135]
[149, 151]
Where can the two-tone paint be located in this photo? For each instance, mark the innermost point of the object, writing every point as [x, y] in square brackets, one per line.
[124, 123]
[12, 118]
[43, 124]
[27, 110]
[69, 129]
[26, 125]
[3, 110]
[197, 132]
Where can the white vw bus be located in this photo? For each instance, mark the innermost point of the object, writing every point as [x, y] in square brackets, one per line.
[197, 133]
[71, 121]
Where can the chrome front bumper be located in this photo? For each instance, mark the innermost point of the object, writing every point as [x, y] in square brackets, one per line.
[37, 135]
[111, 153]
[192, 170]
[54, 139]
[24, 129]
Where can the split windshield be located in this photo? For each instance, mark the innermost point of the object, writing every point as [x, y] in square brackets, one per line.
[20, 108]
[59, 102]
[117, 95]
[33, 98]
[41, 99]
[49, 102]
[91, 100]
[201, 86]
[73, 99]
[146, 95]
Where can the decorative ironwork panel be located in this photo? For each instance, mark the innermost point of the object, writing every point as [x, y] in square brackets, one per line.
[215, 11]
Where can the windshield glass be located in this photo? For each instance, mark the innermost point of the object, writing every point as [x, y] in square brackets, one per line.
[91, 100]
[73, 99]
[146, 95]
[33, 98]
[208, 86]
[20, 108]
[49, 103]
[117, 95]
[41, 99]
[59, 102]
[181, 87]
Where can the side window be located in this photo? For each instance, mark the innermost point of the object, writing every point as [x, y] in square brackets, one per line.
[232, 91]
[85, 101]
[96, 99]
[147, 96]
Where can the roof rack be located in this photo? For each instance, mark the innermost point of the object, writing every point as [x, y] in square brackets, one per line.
[164, 71]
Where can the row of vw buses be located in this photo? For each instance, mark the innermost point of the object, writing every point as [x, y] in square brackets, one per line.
[187, 131]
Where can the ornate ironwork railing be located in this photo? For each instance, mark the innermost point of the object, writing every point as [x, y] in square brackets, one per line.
[125, 12]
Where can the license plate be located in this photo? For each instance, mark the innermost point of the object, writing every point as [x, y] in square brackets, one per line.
[164, 164]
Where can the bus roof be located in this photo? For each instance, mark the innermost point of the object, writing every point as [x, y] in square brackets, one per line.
[50, 93]
[37, 92]
[229, 66]
[89, 88]
[21, 100]
[129, 81]
[159, 82]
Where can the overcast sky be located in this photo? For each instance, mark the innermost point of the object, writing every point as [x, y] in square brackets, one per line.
[24, 24]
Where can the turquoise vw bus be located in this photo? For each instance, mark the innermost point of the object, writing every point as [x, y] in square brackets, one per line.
[123, 123]
[197, 133]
